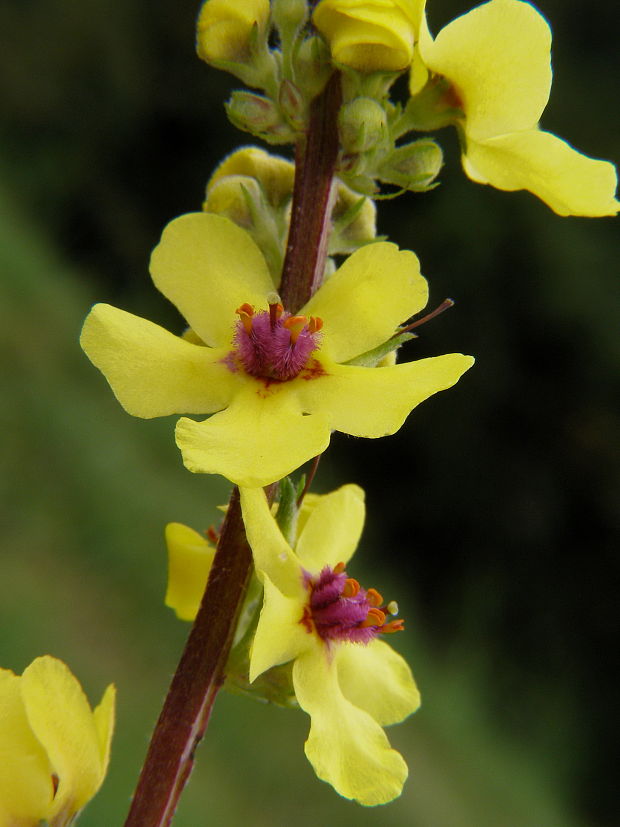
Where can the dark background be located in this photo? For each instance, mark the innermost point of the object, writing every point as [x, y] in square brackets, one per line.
[492, 509]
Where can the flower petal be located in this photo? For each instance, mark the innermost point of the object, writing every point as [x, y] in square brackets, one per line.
[208, 267]
[259, 439]
[346, 746]
[569, 182]
[498, 56]
[62, 720]
[26, 790]
[103, 715]
[151, 371]
[361, 305]
[332, 531]
[374, 402]
[280, 635]
[273, 556]
[190, 556]
[379, 680]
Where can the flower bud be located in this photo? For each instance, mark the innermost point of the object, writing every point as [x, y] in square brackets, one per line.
[233, 197]
[362, 124]
[312, 65]
[292, 103]
[413, 166]
[354, 220]
[289, 15]
[225, 29]
[251, 112]
[368, 36]
[274, 174]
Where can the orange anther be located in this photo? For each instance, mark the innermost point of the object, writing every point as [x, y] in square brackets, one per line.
[351, 587]
[295, 324]
[393, 626]
[338, 568]
[315, 324]
[245, 313]
[375, 617]
[374, 598]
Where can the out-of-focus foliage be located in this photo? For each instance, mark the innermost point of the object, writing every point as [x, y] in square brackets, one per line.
[500, 543]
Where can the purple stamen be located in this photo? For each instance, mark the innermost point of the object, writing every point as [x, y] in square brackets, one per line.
[336, 616]
[268, 351]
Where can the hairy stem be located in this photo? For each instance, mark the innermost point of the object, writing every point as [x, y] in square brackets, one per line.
[201, 670]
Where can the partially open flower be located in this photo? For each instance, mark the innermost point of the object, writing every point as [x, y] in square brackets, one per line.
[497, 59]
[370, 35]
[54, 749]
[277, 384]
[345, 676]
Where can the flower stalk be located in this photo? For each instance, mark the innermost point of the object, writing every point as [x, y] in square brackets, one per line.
[201, 670]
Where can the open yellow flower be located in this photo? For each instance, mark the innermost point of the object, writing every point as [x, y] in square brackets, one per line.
[498, 59]
[276, 383]
[370, 35]
[345, 677]
[54, 749]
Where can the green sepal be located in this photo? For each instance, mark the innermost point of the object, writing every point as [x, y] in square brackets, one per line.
[371, 358]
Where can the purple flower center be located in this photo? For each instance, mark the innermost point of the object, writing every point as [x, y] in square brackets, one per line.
[272, 344]
[339, 609]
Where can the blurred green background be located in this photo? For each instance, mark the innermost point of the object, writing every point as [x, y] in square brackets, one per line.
[491, 518]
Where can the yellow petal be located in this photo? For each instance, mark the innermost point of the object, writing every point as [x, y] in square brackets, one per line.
[280, 635]
[377, 288]
[346, 746]
[208, 267]
[332, 531]
[259, 439]
[151, 371]
[374, 402]
[26, 789]
[569, 182]
[104, 715]
[273, 557]
[498, 57]
[379, 680]
[63, 722]
[190, 556]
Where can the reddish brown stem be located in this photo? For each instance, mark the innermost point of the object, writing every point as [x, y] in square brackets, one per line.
[201, 670]
[315, 162]
[198, 678]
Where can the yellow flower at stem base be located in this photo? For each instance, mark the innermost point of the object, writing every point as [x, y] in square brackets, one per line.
[276, 384]
[370, 35]
[54, 749]
[345, 676]
[497, 58]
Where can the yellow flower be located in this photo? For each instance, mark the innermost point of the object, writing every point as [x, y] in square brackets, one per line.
[54, 749]
[498, 59]
[190, 556]
[225, 28]
[345, 677]
[370, 35]
[276, 383]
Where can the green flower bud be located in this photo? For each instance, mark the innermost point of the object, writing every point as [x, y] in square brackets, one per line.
[362, 124]
[312, 65]
[289, 15]
[292, 104]
[258, 115]
[413, 166]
